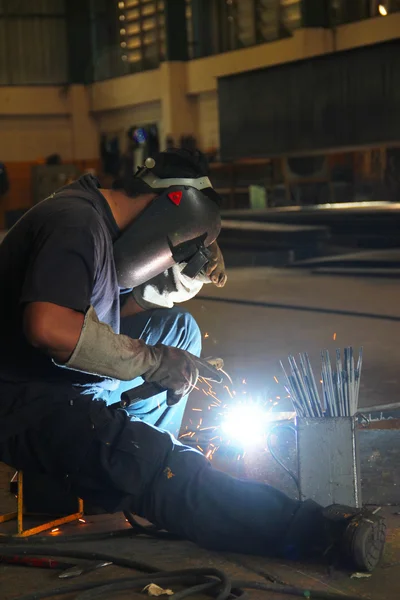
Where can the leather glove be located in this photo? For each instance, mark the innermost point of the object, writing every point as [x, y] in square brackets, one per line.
[215, 269]
[178, 370]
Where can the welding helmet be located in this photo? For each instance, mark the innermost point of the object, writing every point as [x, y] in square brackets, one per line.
[175, 228]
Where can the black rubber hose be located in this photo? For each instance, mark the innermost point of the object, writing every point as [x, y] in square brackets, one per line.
[161, 578]
[84, 554]
[156, 576]
[277, 459]
[194, 590]
[183, 577]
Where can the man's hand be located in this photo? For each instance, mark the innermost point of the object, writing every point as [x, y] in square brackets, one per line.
[178, 370]
[215, 269]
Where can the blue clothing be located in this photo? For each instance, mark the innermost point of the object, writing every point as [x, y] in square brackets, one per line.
[169, 326]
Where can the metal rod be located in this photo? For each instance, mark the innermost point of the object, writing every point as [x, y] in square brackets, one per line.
[339, 369]
[312, 385]
[300, 384]
[359, 367]
[340, 388]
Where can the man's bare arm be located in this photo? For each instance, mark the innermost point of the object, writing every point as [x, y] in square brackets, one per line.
[53, 329]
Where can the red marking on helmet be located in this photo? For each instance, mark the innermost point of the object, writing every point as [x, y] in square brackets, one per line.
[175, 197]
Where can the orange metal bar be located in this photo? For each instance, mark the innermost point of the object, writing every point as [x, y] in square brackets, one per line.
[19, 515]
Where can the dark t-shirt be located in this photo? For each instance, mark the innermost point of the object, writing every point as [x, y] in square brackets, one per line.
[61, 251]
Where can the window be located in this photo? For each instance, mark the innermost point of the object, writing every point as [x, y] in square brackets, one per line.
[141, 33]
[222, 25]
[33, 42]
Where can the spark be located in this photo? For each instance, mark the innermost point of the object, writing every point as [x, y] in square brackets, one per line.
[55, 530]
[197, 409]
[200, 448]
[226, 375]
[228, 390]
[278, 397]
[81, 520]
[334, 336]
[206, 335]
[276, 379]
[204, 391]
[244, 382]
[205, 428]
[186, 434]
[201, 421]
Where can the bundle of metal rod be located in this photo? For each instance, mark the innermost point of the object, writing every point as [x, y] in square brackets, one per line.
[340, 387]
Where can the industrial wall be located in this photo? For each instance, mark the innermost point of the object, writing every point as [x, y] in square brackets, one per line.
[181, 97]
[37, 121]
[335, 101]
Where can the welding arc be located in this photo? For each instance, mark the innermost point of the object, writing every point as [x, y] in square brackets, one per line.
[215, 582]
[340, 388]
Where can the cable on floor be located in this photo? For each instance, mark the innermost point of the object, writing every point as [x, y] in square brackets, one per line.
[211, 581]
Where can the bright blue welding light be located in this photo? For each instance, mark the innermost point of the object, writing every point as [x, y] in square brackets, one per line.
[245, 424]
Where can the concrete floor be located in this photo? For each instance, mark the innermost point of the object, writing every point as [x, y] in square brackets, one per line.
[264, 314]
[384, 584]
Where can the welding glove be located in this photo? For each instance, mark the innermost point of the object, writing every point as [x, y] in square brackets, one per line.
[102, 352]
[176, 370]
[215, 269]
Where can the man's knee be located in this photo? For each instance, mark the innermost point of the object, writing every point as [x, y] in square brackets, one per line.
[192, 334]
[177, 328]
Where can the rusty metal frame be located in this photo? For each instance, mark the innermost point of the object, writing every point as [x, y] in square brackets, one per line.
[19, 515]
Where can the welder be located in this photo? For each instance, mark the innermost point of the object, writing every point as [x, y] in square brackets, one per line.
[69, 269]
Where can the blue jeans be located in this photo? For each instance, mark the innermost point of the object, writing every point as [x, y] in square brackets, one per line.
[172, 327]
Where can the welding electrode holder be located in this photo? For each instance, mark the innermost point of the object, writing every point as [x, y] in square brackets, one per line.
[148, 390]
[145, 391]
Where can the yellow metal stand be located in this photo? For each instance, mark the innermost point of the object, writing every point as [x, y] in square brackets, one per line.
[19, 515]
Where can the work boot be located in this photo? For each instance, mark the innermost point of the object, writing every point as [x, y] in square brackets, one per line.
[358, 535]
[354, 537]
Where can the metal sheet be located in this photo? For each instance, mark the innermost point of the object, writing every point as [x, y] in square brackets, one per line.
[341, 99]
[329, 470]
